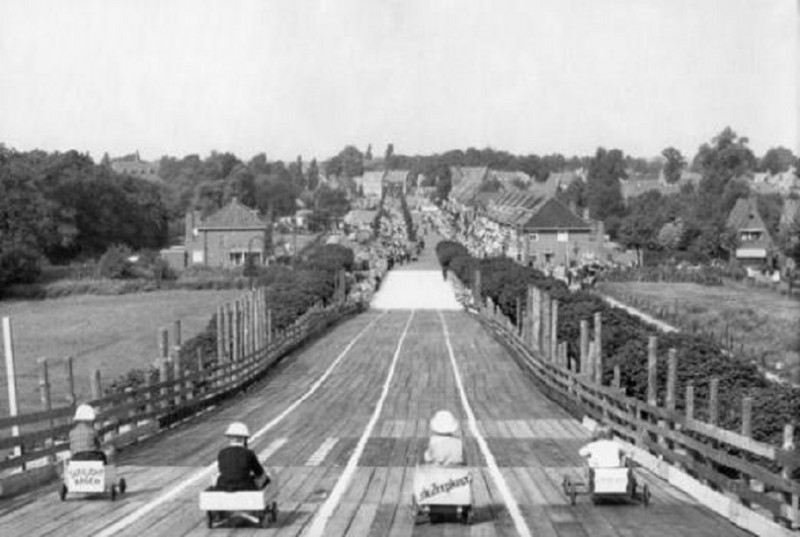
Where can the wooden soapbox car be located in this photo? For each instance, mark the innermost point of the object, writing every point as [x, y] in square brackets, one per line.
[442, 492]
[90, 477]
[613, 483]
[256, 506]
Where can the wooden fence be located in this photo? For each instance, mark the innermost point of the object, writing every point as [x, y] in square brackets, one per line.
[704, 450]
[246, 347]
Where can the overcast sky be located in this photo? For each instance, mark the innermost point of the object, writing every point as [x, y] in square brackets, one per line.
[308, 77]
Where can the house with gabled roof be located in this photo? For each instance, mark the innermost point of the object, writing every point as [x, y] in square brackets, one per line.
[396, 180]
[755, 245]
[227, 237]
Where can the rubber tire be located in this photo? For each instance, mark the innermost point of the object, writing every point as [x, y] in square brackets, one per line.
[646, 496]
[123, 486]
[113, 492]
[62, 493]
[273, 515]
[210, 519]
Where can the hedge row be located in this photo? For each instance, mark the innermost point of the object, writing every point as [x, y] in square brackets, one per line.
[290, 293]
[624, 342]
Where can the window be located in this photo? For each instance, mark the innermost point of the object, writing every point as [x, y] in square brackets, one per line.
[533, 237]
[562, 236]
[236, 258]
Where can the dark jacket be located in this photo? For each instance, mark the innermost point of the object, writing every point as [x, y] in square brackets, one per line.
[238, 469]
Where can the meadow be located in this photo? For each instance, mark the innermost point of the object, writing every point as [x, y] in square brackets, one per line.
[751, 321]
[111, 333]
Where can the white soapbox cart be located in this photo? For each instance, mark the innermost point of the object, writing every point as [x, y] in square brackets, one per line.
[442, 491]
[614, 483]
[256, 506]
[90, 477]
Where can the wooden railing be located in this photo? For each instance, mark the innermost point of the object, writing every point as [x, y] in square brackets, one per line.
[756, 474]
[246, 348]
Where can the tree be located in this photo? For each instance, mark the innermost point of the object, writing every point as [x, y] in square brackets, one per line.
[725, 158]
[296, 172]
[312, 178]
[241, 184]
[368, 154]
[349, 163]
[388, 154]
[603, 192]
[674, 165]
[777, 160]
[640, 228]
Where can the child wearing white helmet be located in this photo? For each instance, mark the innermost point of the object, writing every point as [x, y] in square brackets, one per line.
[445, 447]
[238, 465]
[83, 441]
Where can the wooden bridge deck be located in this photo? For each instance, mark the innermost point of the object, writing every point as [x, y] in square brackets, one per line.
[533, 441]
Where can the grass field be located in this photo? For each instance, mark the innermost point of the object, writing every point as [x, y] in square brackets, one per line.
[757, 321]
[111, 333]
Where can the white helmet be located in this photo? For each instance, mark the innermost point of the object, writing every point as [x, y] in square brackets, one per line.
[237, 428]
[85, 413]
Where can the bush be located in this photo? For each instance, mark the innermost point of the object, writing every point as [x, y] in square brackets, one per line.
[114, 263]
[625, 341]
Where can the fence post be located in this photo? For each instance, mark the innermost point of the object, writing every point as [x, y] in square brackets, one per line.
[269, 326]
[96, 384]
[597, 355]
[163, 376]
[689, 401]
[163, 343]
[8, 350]
[177, 374]
[554, 329]
[617, 382]
[476, 289]
[672, 377]
[220, 334]
[713, 401]
[44, 392]
[148, 396]
[536, 320]
[652, 363]
[236, 322]
[70, 381]
[546, 332]
[583, 353]
[786, 473]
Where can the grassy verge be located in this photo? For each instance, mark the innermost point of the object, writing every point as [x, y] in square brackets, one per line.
[752, 322]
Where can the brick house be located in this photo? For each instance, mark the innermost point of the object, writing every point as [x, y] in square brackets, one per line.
[755, 247]
[226, 238]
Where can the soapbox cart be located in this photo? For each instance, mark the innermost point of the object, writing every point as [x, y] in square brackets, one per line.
[442, 492]
[90, 477]
[256, 506]
[615, 483]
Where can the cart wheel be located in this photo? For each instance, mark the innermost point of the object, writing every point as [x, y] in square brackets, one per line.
[62, 493]
[466, 515]
[210, 519]
[633, 488]
[274, 512]
[646, 495]
[113, 492]
[123, 486]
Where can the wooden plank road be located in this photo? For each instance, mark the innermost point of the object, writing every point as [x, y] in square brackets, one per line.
[533, 441]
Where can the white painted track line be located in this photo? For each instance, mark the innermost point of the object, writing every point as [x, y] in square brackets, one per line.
[181, 486]
[317, 526]
[494, 471]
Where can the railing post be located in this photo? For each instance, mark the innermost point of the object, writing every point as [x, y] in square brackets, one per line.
[652, 364]
[713, 401]
[583, 354]
[95, 384]
[177, 374]
[70, 381]
[597, 355]
[546, 320]
[237, 325]
[269, 326]
[536, 320]
[11, 376]
[148, 396]
[163, 377]
[689, 401]
[554, 330]
[617, 382]
[220, 334]
[44, 392]
[786, 472]
[163, 343]
[672, 377]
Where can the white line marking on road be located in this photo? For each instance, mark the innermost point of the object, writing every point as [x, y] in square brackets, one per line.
[274, 446]
[494, 471]
[317, 526]
[123, 523]
[322, 451]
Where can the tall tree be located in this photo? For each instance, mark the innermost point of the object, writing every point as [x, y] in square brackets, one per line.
[778, 160]
[726, 157]
[674, 165]
[603, 191]
[312, 178]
